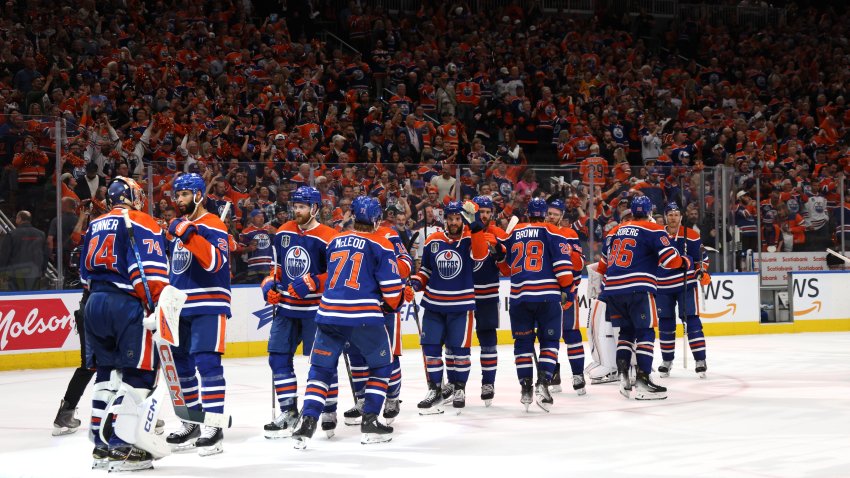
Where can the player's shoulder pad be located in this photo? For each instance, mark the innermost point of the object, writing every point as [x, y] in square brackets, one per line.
[436, 236]
[323, 233]
[288, 226]
[387, 232]
[569, 232]
[692, 234]
[211, 221]
[555, 230]
[145, 220]
[497, 231]
[644, 224]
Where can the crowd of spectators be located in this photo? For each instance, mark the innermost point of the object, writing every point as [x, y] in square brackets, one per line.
[439, 103]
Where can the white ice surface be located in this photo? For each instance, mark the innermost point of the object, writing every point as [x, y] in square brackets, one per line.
[773, 405]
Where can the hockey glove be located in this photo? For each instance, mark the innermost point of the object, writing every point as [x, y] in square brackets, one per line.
[386, 308]
[567, 298]
[302, 286]
[182, 228]
[686, 263]
[471, 216]
[270, 285]
[274, 297]
[415, 283]
[409, 294]
[499, 253]
[491, 239]
[703, 277]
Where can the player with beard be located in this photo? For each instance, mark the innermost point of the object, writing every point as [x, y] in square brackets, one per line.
[294, 287]
[199, 246]
[571, 331]
[446, 276]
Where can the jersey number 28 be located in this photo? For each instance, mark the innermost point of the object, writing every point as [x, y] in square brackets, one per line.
[527, 256]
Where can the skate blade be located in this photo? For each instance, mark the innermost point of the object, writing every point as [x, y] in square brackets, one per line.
[121, 466]
[211, 450]
[300, 443]
[650, 396]
[555, 389]
[488, 402]
[663, 374]
[701, 374]
[601, 380]
[61, 431]
[527, 407]
[373, 438]
[543, 406]
[389, 420]
[581, 391]
[431, 411]
[102, 464]
[330, 433]
[352, 421]
[626, 392]
[183, 447]
[271, 435]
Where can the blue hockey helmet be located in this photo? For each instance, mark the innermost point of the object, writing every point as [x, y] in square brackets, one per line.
[641, 206]
[558, 204]
[190, 182]
[367, 210]
[483, 201]
[671, 206]
[125, 191]
[306, 195]
[537, 207]
[453, 207]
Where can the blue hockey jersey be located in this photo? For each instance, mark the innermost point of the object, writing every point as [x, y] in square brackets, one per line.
[201, 269]
[108, 256]
[259, 259]
[363, 272]
[670, 281]
[486, 273]
[538, 262]
[299, 253]
[405, 262]
[446, 270]
[632, 254]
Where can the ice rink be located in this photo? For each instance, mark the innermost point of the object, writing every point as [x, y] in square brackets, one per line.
[772, 405]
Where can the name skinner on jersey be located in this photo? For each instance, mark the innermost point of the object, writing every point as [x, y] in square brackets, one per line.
[105, 225]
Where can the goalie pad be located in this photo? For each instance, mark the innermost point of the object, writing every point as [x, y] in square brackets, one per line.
[602, 338]
[105, 392]
[594, 281]
[165, 319]
[135, 420]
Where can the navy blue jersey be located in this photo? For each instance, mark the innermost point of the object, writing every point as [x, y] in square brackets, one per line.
[538, 256]
[260, 259]
[670, 281]
[201, 269]
[447, 270]
[299, 253]
[486, 273]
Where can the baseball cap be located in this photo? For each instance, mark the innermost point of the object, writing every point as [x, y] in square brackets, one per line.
[741, 194]
[279, 136]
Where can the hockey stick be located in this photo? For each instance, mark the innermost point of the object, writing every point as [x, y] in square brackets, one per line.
[839, 255]
[682, 311]
[169, 370]
[350, 376]
[419, 328]
[274, 314]
[512, 224]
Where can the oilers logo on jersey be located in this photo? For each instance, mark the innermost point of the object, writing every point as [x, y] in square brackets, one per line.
[181, 258]
[263, 241]
[297, 262]
[449, 264]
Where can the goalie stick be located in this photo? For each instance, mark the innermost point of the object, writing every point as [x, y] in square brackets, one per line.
[169, 370]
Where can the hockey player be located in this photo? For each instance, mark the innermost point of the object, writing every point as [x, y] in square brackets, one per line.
[446, 275]
[541, 270]
[199, 246]
[601, 335]
[571, 332]
[359, 367]
[637, 248]
[672, 294]
[363, 285]
[118, 345]
[300, 245]
[486, 277]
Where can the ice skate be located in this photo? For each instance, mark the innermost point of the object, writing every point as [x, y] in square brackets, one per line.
[459, 397]
[555, 383]
[526, 392]
[607, 378]
[374, 431]
[448, 391]
[100, 457]
[282, 426]
[304, 432]
[391, 409]
[210, 442]
[65, 422]
[487, 393]
[623, 376]
[430, 405]
[542, 396]
[665, 368]
[646, 390]
[353, 415]
[129, 458]
[579, 385]
[329, 423]
[701, 368]
[184, 438]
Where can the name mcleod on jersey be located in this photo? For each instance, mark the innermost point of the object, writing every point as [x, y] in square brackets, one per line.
[296, 262]
[349, 241]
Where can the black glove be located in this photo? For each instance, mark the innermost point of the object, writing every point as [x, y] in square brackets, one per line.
[386, 308]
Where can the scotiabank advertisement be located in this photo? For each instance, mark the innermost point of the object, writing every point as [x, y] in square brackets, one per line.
[775, 266]
[44, 322]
